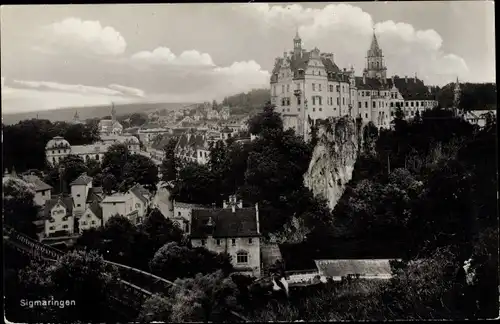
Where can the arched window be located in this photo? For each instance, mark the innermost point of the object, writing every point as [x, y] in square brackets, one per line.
[242, 257]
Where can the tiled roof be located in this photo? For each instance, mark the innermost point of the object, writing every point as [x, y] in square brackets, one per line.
[39, 184]
[241, 223]
[94, 194]
[133, 213]
[67, 202]
[140, 192]
[226, 130]
[117, 198]
[83, 179]
[339, 268]
[369, 84]
[186, 205]
[96, 208]
[89, 149]
[194, 141]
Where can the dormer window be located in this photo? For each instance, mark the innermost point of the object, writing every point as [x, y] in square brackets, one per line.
[233, 242]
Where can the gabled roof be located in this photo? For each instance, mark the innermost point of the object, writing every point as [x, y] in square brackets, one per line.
[94, 194]
[39, 184]
[369, 84]
[96, 208]
[83, 179]
[67, 202]
[140, 192]
[241, 223]
[116, 198]
[339, 268]
[187, 205]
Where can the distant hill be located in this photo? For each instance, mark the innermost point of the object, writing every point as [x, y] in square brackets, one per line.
[247, 103]
[66, 114]
[474, 96]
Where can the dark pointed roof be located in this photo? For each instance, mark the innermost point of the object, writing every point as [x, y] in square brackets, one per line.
[96, 208]
[94, 194]
[241, 223]
[374, 48]
[140, 192]
[66, 201]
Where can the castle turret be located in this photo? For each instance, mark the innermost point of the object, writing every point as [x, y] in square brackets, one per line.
[297, 44]
[375, 60]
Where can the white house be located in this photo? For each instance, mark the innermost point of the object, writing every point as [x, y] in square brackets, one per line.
[91, 218]
[58, 214]
[117, 203]
[182, 215]
[79, 190]
[42, 190]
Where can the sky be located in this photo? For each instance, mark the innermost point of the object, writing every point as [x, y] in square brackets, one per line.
[76, 55]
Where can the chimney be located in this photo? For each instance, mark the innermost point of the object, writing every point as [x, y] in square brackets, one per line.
[233, 208]
[240, 203]
[224, 204]
[257, 217]
[406, 78]
[6, 172]
[364, 78]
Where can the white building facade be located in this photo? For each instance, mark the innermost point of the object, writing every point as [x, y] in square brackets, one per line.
[308, 85]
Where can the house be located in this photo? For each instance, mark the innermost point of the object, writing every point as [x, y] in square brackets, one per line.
[478, 117]
[232, 229]
[364, 268]
[117, 203]
[141, 200]
[192, 148]
[110, 126]
[182, 215]
[58, 214]
[79, 189]
[227, 133]
[147, 133]
[42, 190]
[91, 218]
[225, 113]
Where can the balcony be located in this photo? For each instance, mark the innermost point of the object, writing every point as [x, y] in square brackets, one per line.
[297, 93]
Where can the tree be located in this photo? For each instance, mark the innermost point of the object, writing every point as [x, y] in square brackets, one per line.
[160, 230]
[194, 184]
[109, 183]
[72, 167]
[77, 276]
[169, 164]
[139, 169]
[138, 119]
[19, 209]
[177, 261]
[115, 159]
[118, 238]
[266, 123]
[204, 298]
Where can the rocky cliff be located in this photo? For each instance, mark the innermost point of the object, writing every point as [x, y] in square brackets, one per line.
[332, 163]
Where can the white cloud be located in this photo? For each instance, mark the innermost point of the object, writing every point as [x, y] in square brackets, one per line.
[127, 90]
[84, 36]
[163, 55]
[240, 77]
[111, 90]
[346, 31]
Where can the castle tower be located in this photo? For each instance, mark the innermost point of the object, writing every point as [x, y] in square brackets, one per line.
[297, 44]
[375, 60]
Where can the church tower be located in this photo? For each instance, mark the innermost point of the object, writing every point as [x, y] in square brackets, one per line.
[113, 112]
[297, 44]
[76, 118]
[375, 61]
[456, 98]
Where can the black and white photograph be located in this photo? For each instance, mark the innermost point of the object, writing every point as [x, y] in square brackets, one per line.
[249, 162]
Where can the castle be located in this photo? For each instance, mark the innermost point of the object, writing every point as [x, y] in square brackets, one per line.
[307, 86]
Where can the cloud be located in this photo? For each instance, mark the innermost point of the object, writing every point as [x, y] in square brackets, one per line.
[80, 36]
[163, 55]
[111, 90]
[127, 90]
[346, 31]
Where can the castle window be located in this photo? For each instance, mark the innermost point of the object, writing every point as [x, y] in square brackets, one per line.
[93, 222]
[298, 100]
[338, 101]
[331, 88]
[282, 88]
[287, 88]
[320, 109]
[51, 228]
[392, 104]
[366, 115]
[412, 103]
[65, 226]
[319, 86]
[314, 100]
[343, 101]
[319, 100]
[203, 242]
[416, 103]
[314, 109]
[314, 87]
[250, 241]
[338, 88]
[359, 104]
[242, 257]
[218, 242]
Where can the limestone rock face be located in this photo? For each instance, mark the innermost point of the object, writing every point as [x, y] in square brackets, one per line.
[332, 163]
